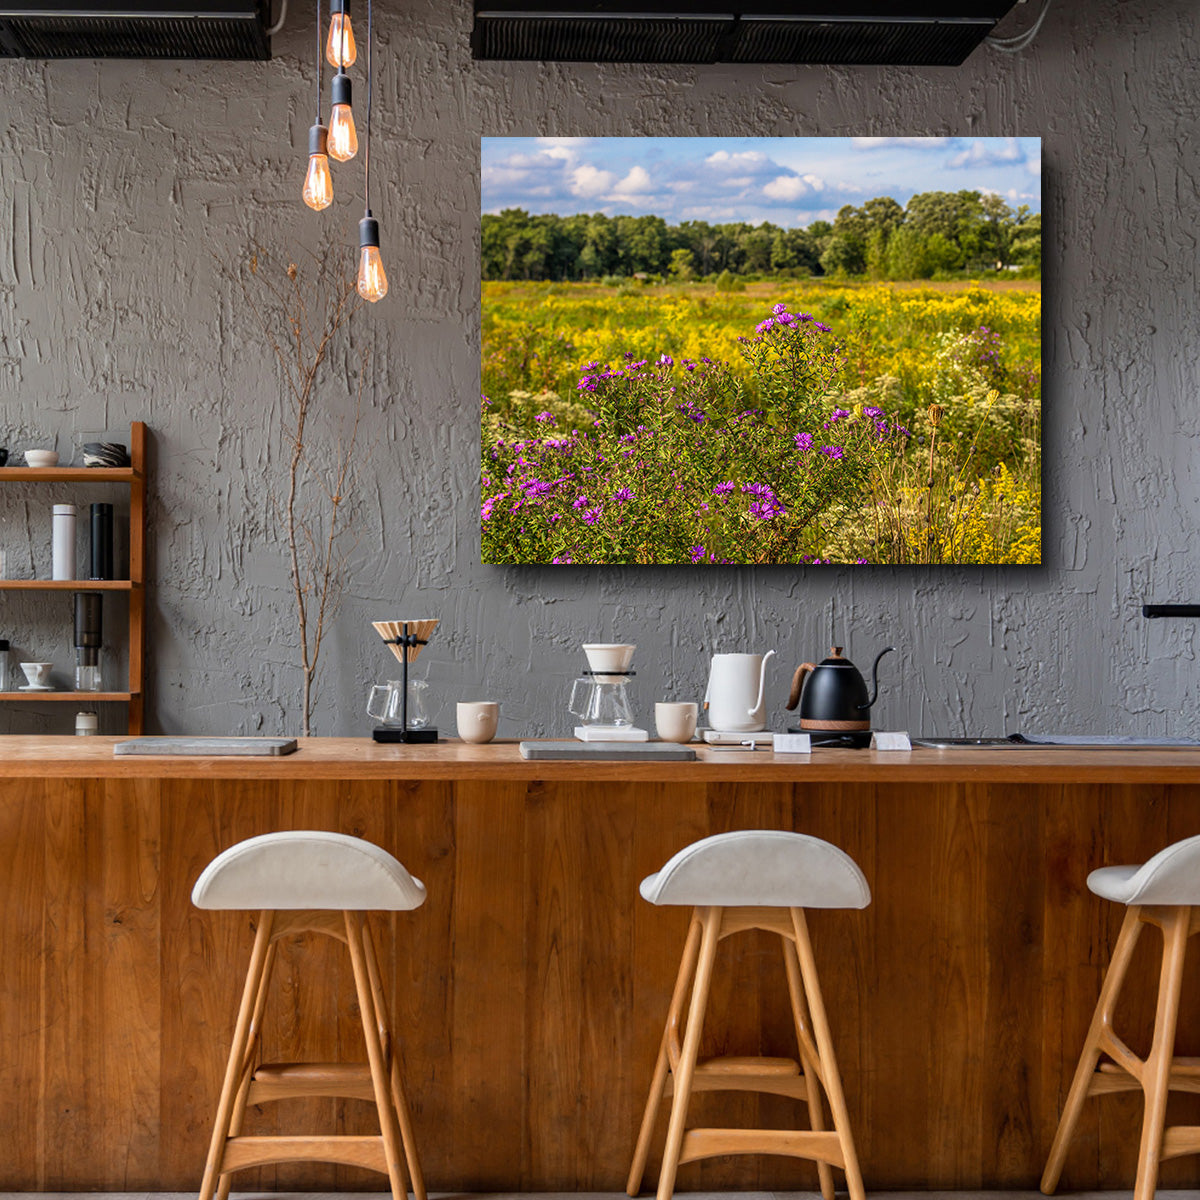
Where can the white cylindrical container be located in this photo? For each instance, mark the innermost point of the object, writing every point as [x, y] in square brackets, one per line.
[86, 724]
[63, 544]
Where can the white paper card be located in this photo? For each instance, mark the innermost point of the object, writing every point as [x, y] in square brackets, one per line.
[793, 743]
[890, 741]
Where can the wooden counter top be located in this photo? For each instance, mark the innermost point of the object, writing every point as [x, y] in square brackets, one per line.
[360, 758]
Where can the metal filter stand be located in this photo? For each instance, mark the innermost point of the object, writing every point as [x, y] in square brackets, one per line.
[382, 733]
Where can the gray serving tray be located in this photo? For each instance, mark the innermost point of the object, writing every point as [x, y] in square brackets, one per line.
[207, 747]
[609, 751]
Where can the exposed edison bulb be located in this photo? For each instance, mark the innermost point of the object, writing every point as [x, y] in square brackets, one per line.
[318, 183]
[372, 279]
[340, 50]
[343, 137]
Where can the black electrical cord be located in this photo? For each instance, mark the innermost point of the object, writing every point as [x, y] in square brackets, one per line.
[319, 48]
[370, 89]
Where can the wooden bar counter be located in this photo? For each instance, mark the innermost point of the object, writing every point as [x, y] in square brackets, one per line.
[530, 990]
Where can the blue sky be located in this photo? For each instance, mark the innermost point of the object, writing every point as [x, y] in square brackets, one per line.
[788, 181]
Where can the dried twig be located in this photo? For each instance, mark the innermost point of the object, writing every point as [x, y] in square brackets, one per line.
[313, 306]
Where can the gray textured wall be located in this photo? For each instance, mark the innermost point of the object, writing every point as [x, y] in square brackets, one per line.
[120, 180]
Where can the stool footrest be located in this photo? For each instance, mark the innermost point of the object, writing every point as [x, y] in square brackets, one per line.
[351, 1151]
[1179, 1140]
[732, 1073]
[1110, 1078]
[287, 1081]
[795, 1143]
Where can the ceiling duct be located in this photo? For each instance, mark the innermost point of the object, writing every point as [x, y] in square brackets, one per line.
[228, 29]
[930, 33]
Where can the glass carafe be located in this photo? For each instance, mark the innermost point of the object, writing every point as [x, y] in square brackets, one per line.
[384, 703]
[598, 702]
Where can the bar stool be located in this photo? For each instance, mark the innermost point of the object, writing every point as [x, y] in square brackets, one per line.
[752, 879]
[1164, 892]
[311, 882]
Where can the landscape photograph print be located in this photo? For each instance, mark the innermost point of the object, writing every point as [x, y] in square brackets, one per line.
[715, 351]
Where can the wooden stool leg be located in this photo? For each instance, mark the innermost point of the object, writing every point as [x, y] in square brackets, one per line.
[816, 1117]
[237, 1054]
[687, 967]
[682, 1091]
[391, 1054]
[1156, 1074]
[383, 1099]
[1110, 992]
[829, 1068]
[239, 1105]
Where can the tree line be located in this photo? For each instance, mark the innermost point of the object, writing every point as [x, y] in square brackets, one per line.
[935, 233]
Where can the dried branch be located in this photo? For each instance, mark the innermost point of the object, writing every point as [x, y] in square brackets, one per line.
[313, 307]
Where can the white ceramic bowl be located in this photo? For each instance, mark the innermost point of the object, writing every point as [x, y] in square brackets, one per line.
[41, 458]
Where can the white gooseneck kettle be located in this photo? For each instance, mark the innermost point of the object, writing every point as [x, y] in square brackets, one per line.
[734, 698]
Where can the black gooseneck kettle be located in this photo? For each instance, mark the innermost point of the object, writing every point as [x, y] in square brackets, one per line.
[833, 694]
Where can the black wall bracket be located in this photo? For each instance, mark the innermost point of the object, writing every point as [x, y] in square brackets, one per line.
[1171, 610]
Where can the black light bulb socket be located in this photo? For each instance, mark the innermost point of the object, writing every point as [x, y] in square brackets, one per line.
[318, 140]
[340, 90]
[339, 6]
[368, 232]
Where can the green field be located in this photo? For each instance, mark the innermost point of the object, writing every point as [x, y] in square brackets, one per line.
[955, 366]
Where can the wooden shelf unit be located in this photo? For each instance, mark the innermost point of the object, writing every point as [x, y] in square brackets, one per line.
[135, 477]
[67, 585]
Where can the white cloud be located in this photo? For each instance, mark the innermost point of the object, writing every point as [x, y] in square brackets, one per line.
[564, 147]
[636, 183]
[986, 152]
[590, 181]
[792, 187]
[925, 143]
[740, 160]
[1033, 164]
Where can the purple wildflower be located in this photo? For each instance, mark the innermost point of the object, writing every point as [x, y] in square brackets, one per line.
[833, 452]
[766, 509]
[545, 417]
[592, 516]
[803, 441]
[696, 553]
[622, 494]
[723, 489]
[581, 501]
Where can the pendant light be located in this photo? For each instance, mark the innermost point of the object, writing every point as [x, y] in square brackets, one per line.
[372, 279]
[343, 137]
[318, 184]
[340, 50]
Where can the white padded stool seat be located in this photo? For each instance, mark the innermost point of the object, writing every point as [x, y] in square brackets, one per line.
[760, 868]
[1171, 877]
[307, 869]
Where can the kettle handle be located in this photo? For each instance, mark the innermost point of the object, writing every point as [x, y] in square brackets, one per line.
[762, 679]
[797, 683]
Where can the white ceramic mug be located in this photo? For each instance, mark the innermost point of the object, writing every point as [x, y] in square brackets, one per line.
[477, 720]
[675, 720]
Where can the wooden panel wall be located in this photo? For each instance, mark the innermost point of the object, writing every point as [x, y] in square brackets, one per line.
[530, 989]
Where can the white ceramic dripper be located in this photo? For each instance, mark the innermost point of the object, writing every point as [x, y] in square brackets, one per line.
[609, 660]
